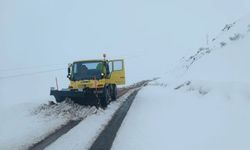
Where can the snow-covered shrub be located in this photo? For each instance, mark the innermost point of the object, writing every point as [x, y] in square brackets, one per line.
[235, 37]
[222, 44]
[158, 84]
[182, 85]
[228, 27]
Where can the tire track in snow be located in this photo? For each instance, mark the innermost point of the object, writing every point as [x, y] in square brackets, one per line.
[106, 138]
[71, 124]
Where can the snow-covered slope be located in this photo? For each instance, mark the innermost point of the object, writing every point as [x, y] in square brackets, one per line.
[232, 36]
[229, 63]
[203, 103]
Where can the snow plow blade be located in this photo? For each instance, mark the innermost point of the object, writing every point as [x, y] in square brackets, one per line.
[85, 97]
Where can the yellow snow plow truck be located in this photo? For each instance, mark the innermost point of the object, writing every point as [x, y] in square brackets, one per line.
[92, 82]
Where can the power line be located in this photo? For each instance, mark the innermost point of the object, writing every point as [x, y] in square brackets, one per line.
[42, 66]
[65, 64]
[30, 74]
[31, 67]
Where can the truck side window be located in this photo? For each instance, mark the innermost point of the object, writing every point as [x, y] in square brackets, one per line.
[111, 66]
[118, 65]
[75, 67]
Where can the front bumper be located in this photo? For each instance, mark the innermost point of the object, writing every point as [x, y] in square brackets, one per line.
[85, 97]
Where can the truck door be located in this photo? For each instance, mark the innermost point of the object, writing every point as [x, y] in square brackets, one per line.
[117, 70]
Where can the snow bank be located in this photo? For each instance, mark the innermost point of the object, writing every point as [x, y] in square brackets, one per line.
[25, 124]
[163, 118]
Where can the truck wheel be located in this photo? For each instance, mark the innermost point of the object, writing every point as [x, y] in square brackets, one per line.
[105, 97]
[114, 92]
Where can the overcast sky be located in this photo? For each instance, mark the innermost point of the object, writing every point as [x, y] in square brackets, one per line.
[60, 30]
[150, 34]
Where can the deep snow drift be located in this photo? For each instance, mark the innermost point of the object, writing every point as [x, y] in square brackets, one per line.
[201, 104]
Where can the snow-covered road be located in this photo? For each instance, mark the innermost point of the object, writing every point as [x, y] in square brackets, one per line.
[83, 135]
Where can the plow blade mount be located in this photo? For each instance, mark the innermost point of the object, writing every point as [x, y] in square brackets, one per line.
[85, 97]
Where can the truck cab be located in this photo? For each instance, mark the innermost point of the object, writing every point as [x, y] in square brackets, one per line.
[97, 79]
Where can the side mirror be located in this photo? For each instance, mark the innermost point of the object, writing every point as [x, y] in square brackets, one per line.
[69, 71]
[69, 76]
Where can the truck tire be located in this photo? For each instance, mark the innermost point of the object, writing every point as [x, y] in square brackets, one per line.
[105, 97]
[114, 92]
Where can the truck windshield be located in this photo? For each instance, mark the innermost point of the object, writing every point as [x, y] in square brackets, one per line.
[87, 70]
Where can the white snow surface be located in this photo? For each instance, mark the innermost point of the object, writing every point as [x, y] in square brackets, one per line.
[163, 118]
[26, 124]
[20, 127]
[203, 103]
